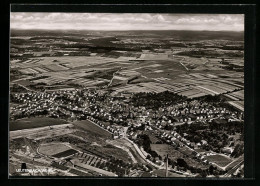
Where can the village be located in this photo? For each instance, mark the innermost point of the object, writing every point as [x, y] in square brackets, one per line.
[119, 116]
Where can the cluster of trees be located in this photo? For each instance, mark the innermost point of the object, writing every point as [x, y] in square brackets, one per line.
[230, 127]
[112, 167]
[216, 134]
[17, 88]
[29, 114]
[238, 150]
[180, 163]
[155, 100]
[211, 53]
[15, 71]
[144, 141]
[211, 98]
[68, 139]
[108, 74]
[17, 143]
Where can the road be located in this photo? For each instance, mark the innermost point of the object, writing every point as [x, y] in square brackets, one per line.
[21, 79]
[113, 77]
[183, 64]
[151, 163]
[214, 92]
[27, 88]
[233, 169]
[142, 155]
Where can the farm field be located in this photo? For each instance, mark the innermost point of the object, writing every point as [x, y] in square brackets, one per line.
[23, 82]
[237, 104]
[147, 86]
[238, 94]
[28, 123]
[92, 128]
[75, 61]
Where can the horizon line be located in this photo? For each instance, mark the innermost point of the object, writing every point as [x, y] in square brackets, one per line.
[123, 30]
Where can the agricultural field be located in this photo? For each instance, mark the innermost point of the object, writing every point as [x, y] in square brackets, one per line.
[144, 85]
[238, 94]
[75, 61]
[237, 104]
[23, 82]
[35, 122]
[93, 128]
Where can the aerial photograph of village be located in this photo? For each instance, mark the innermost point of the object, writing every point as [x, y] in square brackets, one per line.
[126, 95]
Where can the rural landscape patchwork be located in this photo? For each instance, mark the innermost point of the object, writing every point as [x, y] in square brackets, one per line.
[126, 103]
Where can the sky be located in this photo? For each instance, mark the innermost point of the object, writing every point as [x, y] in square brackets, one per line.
[126, 21]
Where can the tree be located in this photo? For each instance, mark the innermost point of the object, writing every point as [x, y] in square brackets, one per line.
[196, 139]
[182, 163]
[211, 169]
[238, 150]
[203, 174]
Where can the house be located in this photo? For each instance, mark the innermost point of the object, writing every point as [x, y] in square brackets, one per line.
[203, 142]
[227, 150]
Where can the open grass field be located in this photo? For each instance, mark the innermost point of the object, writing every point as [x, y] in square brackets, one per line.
[75, 61]
[52, 149]
[92, 128]
[218, 159]
[28, 123]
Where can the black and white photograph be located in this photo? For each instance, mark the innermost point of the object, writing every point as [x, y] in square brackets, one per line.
[126, 95]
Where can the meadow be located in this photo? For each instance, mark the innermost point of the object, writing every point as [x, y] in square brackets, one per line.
[35, 122]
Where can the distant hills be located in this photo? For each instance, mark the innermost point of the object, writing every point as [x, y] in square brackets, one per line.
[181, 35]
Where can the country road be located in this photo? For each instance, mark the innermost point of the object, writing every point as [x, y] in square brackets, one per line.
[113, 77]
[183, 64]
[233, 169]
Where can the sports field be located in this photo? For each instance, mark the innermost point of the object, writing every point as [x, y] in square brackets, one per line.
[57, 150]
[51, 149]
[218, 159]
